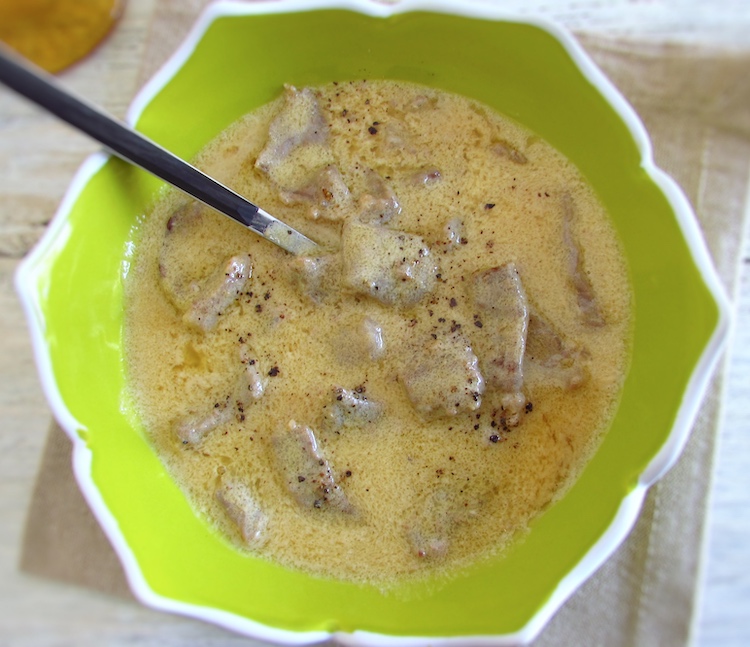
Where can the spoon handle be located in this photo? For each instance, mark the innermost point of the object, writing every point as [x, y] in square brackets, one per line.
[130, 145]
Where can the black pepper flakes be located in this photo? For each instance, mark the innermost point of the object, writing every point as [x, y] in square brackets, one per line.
[372, 130]
[489, 205]
[274, 371]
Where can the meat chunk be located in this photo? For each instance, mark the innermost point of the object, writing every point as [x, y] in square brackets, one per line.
[297, 139]
[248, 387]
[243, 510]
[305, 471]
[388, 265]
[505, 149]
[442, 376]
[194, 427]
[351, 409]
[379, 203]
[561, 362]
[591, 314]
[179, 285]
[326, 193]
[359, 341]
[184, 216]
[420, 103]
[501, 318]
[218, 293]
[318, 277]
[430, 528]
[395, 136]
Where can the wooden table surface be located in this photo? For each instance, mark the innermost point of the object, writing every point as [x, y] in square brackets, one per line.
[39, 156]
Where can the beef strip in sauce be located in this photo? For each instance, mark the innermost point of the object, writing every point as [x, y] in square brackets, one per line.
[429, 530]
[591, 313]
[178, 285]
[442, 376]
[297, 144]
[501, 318]
[248, 388]
[318, 277]
[505, 149]
[243, 510]
[359, 341]
[391, 266]
[561, 362]
[326, 194]
[305, 471]
[352, 409]
[379, 203]
[219, 292]
[299, 123]
[394, 136]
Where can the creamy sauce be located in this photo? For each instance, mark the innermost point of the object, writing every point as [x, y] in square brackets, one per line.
[427, 489]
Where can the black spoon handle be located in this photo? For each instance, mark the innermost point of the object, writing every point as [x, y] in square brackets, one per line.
[123, 141]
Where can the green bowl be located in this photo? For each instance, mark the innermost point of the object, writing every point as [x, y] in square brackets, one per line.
[237, 58]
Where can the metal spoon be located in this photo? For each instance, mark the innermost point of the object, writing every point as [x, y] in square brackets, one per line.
[40, 88]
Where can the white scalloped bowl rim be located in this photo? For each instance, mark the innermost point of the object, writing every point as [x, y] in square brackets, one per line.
[33, 267]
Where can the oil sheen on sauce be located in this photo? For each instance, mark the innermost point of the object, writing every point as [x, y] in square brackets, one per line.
[409, 401]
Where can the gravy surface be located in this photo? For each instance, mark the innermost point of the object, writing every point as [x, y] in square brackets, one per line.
[442, 463]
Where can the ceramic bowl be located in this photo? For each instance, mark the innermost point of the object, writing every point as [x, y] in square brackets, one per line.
[236, 58]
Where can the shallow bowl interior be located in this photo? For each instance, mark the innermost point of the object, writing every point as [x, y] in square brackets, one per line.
[237, 63]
